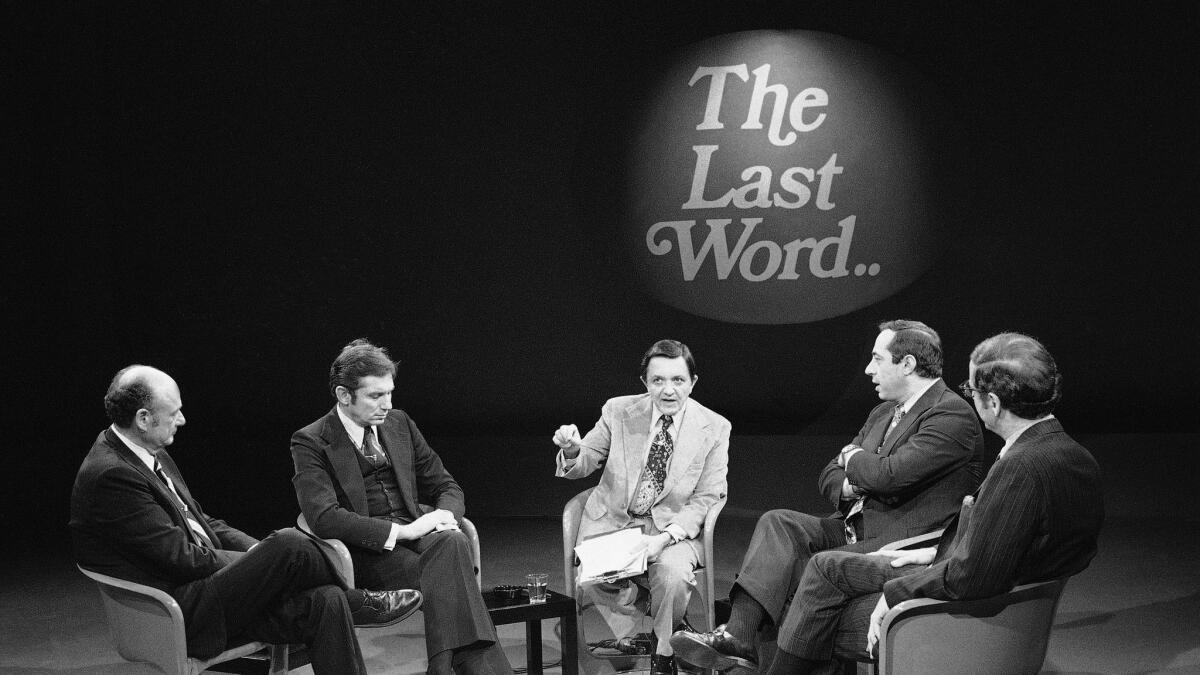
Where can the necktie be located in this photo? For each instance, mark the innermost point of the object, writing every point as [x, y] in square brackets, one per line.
[371, 449]
[656, 468]
[193, 524]
[896, 415]
[856, 510]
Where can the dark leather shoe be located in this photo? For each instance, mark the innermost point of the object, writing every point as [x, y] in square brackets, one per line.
[715, 650]
[662, 665]
[384, 608]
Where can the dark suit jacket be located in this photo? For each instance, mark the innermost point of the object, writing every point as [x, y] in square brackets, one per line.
[916, 481]
[126, 523]
[329, 483]
[1036, 517]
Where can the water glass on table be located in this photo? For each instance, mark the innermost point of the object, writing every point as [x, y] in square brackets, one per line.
[536, 585]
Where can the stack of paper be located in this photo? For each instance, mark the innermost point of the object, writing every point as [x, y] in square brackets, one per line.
[611, 556]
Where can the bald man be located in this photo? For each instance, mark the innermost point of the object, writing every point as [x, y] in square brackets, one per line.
[133, 517]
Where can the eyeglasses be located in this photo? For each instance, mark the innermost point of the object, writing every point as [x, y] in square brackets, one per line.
[968, 391]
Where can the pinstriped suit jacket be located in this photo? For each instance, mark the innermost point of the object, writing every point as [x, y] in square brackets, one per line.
[1037, 517]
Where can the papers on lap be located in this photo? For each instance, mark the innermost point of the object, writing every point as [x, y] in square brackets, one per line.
[607, 557]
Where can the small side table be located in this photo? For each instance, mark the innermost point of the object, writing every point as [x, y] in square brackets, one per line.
[519, 610]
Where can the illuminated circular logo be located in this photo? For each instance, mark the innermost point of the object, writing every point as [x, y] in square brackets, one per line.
[785, 177]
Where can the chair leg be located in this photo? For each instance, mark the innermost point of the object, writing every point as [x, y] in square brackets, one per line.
[279, 660]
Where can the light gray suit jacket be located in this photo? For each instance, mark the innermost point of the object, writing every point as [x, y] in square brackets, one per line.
[620, 443]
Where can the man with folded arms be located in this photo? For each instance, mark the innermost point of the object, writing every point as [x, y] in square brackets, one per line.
[1035, 518]
[904, 474]
[133, 517]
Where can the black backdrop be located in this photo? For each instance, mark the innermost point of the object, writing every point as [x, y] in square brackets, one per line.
[232, 191]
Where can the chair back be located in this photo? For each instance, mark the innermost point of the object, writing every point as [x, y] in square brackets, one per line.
[1004, 634]
[146, 625]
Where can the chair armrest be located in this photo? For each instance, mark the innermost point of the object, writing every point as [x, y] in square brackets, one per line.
[468, 528]
[919, 541]
[572, 514]
[335, 551]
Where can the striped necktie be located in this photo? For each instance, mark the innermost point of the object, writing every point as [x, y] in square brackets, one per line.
[193, 524]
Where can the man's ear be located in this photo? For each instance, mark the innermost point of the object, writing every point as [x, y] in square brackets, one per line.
[143, 419]
[993, 402]
[343, 395]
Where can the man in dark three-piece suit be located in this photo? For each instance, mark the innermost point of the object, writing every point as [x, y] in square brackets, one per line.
[133, 517]
[365, 475]
[664, 458]
[1036, 517]
[904, 474]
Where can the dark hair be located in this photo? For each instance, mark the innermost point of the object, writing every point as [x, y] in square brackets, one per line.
[671, 349]
[919, 340]
[1020, 372]
[359, 359]
[121, 402]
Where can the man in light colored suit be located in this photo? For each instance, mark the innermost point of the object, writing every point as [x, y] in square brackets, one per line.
[665, 458]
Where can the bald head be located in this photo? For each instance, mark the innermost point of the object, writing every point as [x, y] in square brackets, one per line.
[145, 402]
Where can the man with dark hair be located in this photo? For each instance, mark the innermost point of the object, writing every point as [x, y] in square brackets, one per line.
[904, 474]
[133, 517]
[665, 458]
[1036, 517]
[365, 475]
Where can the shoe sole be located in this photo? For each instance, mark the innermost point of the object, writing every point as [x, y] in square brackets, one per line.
[390, 622]
[695, 652]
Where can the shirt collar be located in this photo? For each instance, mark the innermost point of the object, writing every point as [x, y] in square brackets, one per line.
[916, 396]
[353, 429]
[1008, 442]
[676, 419]
[143, 454]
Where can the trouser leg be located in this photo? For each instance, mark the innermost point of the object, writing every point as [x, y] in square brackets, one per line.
[283, 590]
[833, 582]
[780, 548]
[672, 579]
[440, 565]
[320, 618]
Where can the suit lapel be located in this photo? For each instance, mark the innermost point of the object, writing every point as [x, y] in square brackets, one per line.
[931, 396]
[690, 439]
[881, 418]
[164, 492]
[635, 439]
[343, 457]
[172, 471]
[398, 446]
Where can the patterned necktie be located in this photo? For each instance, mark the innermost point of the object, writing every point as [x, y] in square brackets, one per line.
[371, 449]
[855, 513]
[656, 469]
[193, 524]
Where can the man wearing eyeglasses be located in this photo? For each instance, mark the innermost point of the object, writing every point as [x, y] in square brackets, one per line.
[1036, 517]
[904, 474]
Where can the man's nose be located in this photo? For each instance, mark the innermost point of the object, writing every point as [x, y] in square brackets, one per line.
[387, 403]
[182, 420]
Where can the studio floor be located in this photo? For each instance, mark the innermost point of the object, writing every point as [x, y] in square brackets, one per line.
[1133, 611]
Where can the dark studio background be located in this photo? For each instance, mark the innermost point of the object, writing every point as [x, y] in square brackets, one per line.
[233, 191]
